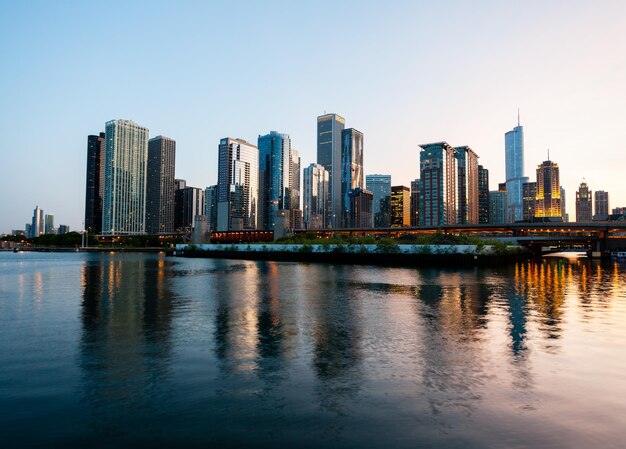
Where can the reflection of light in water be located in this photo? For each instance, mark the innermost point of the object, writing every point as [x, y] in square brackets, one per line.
[38, 289]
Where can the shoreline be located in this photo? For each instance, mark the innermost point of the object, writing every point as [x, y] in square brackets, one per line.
[356, 254]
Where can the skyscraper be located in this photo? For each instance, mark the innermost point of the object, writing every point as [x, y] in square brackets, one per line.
[293, 192]
[360, 208]
[380, 186]
[483, 195]
[274, 177]
[94, 185]
[514, 160]
[329, 138]
[467, 185]
[497, 206]
[237, 185]
[210, 207]
[49, 226]
[316, 197]
[38, 223]
[160, 185]
[584, 212]
[189, 203]
[351, 169]
[415, 202]
[438, 204]
[548, 205]
[529, 200]
[602, 205]
[125, 160]
[400, 206]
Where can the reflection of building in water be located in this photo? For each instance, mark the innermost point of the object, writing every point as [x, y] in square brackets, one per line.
[336, 339]
[452, 307]
[125, 343]
[543, 285]
[237, 320]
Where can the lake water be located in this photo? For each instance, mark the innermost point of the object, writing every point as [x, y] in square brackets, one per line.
[137, 350]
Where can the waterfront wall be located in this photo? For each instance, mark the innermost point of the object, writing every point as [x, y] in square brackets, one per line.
[369, 254]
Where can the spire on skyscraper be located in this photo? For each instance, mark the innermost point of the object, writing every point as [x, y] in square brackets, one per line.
[518, 117]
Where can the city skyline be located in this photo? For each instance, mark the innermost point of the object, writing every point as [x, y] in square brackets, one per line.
[538, 61]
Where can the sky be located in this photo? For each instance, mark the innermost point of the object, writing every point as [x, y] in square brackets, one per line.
[402, 72]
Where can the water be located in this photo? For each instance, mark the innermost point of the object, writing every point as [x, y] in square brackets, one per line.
[133, 350]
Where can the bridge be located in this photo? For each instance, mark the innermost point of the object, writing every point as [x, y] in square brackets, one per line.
[593, 236]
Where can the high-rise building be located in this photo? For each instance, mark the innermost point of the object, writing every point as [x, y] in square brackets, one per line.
[438, 204]
[125, 160]
[497, 207]
[179, 184]
[37, 226]
[28, 230]
[351, 169]
[564, 213]
[160, 185]
[63, 229]
[293, 192]
[415, 203]
[400, 206]
[584, 211]
[274, 177]
[210, 207]
[380, 186]
[529, 200]
[360, 208]
[548, 205]
[329, 138]
[94, 185]
[514, 161]
[602, 205]
[49, 226]
[188, 203]
[237, 185]
[467, 185]
[483, 195]
[316, 197]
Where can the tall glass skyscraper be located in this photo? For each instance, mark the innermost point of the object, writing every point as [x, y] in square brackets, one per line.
[94, 184]
[514, 160]
[483, 195]
[274, 176]
[467, 185]
[125, 160]
[329, 129]
[438, 179]
[237, 185]
[316, 197]
[548, 205]
[160, 185]
[380, 186]
[351, 170]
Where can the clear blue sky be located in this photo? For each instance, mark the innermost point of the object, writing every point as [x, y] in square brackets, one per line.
[403, 73]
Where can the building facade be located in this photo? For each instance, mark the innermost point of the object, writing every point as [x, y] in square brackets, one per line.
[498, 207]
[37, 226]
[188, 204]
[210, 207]
[415, 203]
[548, 205]
[329, 142]
[584, 210]
[49, 227]
[380, 186]
[360, 208]
[602, 205]
[400, 206]
[160, 185]
[316, 201]
[529, 200]
[237, 185]
[275, 175]
[514, 164]
[467, 185]
[351, 170]
[483, 195]
[125, 161]
[94, 184]
[438, 205]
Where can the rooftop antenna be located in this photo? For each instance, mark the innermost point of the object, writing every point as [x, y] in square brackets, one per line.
[517, 116]
[548, 153]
